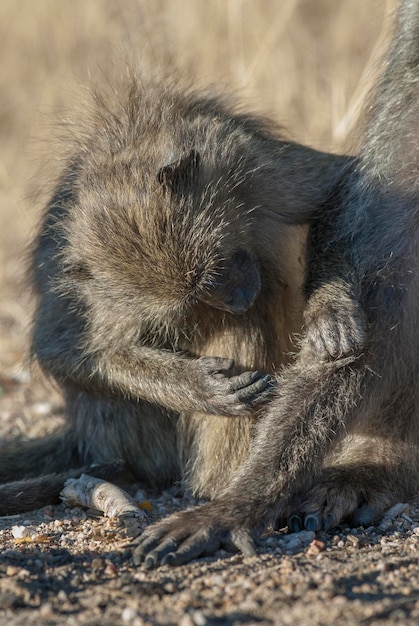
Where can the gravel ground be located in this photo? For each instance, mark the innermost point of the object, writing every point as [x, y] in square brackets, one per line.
[69, 566]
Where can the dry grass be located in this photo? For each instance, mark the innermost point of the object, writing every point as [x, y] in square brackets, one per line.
[308, 63]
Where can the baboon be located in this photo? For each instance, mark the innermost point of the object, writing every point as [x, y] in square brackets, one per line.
[341, 439]
[168, 273]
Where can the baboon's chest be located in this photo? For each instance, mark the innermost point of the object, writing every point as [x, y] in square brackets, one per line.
[260, 339]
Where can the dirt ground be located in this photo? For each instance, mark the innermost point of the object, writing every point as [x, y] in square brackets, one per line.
[68, 566]
[309, 65]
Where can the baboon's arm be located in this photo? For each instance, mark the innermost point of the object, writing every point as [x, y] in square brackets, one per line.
[333, 316]
[173, 380]
[319, 400]
[292, 441]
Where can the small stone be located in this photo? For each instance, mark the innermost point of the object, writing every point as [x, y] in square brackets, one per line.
[110, 570]
[199, 618]
[352, 540]
[128, 615]
[396, 510]
[62, 596]
[296, 542]
[42, 408]
[23, 573]
[315, 547]
[19, 532]
[46, 609]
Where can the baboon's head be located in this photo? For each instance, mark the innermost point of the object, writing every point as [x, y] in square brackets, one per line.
[163, 216]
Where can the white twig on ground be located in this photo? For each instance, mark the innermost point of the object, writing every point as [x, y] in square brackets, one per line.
[93, 493]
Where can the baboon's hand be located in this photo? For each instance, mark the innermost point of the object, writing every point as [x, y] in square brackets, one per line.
[188, 535]
[335, 327]
[231, 396]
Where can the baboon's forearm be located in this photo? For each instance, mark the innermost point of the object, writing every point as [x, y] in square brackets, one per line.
[165, 378]
[294, 438]
[154, 375]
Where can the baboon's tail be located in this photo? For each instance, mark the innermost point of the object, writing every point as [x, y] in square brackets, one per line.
[33, 473]
[54, 454]
[25, 495]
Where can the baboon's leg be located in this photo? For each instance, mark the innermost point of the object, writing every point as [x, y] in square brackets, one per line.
[141, 434]
[301, 426]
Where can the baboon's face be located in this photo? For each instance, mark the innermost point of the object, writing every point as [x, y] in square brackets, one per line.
[166, 240]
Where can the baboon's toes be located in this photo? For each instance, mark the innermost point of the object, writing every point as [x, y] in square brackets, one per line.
[344, 495]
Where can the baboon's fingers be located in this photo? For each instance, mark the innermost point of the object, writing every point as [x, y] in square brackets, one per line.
[295, 523]
[192, 548]
[325, 507]
[358, 495]
[326, 339]
[264, 395]
[146, 543]
[243, 380]
[254, 389]
[187, 535]
[242, 539]
[367, 515]
[334, 335]
[216, 364]
[155, 557]
[313, 522]
[330, 521]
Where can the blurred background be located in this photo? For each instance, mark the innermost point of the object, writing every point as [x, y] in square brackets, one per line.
[306, 63]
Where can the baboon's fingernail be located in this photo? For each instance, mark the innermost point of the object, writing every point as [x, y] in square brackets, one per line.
[294, 524]
[312, 522]
[330, 521]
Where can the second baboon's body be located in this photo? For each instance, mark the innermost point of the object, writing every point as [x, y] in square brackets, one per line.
[341, 440]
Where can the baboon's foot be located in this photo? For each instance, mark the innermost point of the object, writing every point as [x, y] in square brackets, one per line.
[355, 496]
[190, 534]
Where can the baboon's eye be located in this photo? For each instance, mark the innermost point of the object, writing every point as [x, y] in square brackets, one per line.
[175, 175]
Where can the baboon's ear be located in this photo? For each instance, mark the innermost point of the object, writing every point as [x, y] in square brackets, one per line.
[176, 174]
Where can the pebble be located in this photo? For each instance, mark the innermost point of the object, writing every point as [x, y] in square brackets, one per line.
[315, 547]
[19, 532]
[352, 540]
[110, 570]
[128, 615]
[296, 542]
[199, 618]
[62, 596]
[46, 609]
